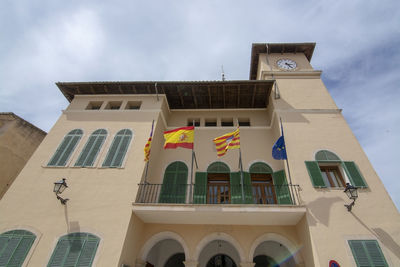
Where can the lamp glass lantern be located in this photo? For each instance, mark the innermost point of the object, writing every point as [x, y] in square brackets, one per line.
[351, 191]
[60, 186]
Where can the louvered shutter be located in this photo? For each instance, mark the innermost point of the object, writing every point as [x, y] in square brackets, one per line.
[95, 150]
[166, 194]
[9, 250]
[3, 242]
[200, 188]
[248, 190]
[121, 151]
[82, 157]
[367, 253]
[60, 150]
[281, 188]
[236, 190]
[88, 253]
[68, 150]
[181, 182]
[111, 152]
[315, 174]
[21, 251]
[74, 252]
[59, 254]
[354, 174]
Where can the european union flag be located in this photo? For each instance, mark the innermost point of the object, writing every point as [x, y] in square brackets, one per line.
[279, 149]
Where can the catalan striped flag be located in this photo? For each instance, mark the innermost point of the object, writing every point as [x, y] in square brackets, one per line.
[227, 141]
[180, 137]
[147, 147]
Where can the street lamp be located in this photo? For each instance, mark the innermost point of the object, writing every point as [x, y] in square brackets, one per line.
[351, 192]
[59, 187]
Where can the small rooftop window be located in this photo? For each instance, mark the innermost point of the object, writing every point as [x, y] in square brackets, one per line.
[227, 122]
[94, 105]
[114, 105]
[211, 122]
[196, 122]
[133, 105]
[244, 121]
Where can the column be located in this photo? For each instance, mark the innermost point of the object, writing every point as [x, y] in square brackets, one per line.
[190, 263]
[247, 264]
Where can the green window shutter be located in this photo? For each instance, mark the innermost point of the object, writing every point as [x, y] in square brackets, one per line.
[260, 167]
[94, 151]
[68, 150]
[65, 149]
[173, 189]
[367, 253]
[236, 190]
[82, 157]
[218, 167]
[60, 150]
[21, 251]
[88, 253]
[14, 246]
[118, 149]
[375, 253]
[354, 174]
[77, 249]
[248, 190]
[315, 174]
[281, 188]
[200, 188]
[59, 253]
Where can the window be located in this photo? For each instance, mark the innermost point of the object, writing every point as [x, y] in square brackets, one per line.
[174, 185]
[117, 151]
[268, 187]
[114, 105]
[76, 249]
[244, 121]
[211, 122]
[14, 246]
[133, 105]
[227, 122]
[328, 170]
[218, 184]
[196, 122]
[92, 148]
[367, 253]
[94, 105]
[66, 148]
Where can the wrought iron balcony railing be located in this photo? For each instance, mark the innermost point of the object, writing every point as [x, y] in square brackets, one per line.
[263, 194]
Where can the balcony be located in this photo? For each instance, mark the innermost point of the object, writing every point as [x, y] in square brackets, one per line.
[216, 203]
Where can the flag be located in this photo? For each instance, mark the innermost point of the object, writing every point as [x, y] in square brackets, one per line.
[180, 137]
[279, 149]
[227, 141]
[148, 145]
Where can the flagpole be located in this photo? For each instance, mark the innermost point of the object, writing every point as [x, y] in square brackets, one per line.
[191, 170]
[241, 166]
[147, 163]
[287, 164]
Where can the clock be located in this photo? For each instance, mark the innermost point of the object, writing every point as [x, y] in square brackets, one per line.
[286, 64]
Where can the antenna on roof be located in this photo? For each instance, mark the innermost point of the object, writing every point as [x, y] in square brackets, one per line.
[223, 74]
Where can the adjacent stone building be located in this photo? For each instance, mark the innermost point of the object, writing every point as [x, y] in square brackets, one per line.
[18, 140]
[181, 210]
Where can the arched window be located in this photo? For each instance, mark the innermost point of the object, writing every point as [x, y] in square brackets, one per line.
[14, 246]
[328, 170]
[260, 167]
[174, 185]
[117, 151]
[262, 185]
[92, 148]
[219, 184]
[66, 148]
[76, 249]
[218, 167]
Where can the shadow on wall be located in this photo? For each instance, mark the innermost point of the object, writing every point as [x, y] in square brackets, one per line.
[320, 209]
[383, 236]
[290, 116]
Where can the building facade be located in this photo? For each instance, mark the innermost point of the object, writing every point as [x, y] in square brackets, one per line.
[189, 207]
[18, 140]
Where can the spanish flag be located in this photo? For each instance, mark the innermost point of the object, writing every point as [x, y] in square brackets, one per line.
[227, 141]
[180, 137]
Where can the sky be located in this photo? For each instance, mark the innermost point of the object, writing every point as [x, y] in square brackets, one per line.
[42, 42]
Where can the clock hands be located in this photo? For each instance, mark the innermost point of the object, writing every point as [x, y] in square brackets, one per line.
[290, 65]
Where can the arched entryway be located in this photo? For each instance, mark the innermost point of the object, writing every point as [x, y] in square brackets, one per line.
[273, 254]
[166, 253]
[219, 253]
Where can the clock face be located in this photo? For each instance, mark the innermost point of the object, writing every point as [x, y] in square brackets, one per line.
[286, 64]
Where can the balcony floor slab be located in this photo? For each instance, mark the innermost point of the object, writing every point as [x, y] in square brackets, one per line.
[219, 214]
